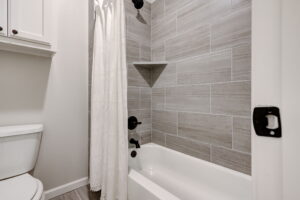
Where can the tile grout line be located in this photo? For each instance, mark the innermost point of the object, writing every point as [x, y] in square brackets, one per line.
[177, 128]
[232, 139]
[203, 55]
[176, 71]
[165, 99]
[206, 113]
[210, 152]
[151, 46]
[210, 38]
[231, 65]
[202, 143]
[210, 98]
[203, 84]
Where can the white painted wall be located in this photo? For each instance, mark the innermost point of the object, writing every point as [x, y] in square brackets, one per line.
[290, 71]
[275, 81]
[266, 84]
[64, 154]
[55, 93]
[23, 84]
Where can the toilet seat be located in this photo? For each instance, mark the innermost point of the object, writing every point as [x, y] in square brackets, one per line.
[22, 187]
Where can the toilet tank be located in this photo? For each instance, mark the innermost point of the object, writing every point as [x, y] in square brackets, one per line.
[19, 148]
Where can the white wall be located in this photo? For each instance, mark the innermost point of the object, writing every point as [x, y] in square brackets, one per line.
[55, 93]
[266, 83]
[290, 71]
[23, 84]
[275, 81]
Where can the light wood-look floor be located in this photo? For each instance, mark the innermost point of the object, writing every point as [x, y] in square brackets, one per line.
[82, 193]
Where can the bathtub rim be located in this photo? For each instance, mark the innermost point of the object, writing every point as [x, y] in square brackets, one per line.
[201, 161]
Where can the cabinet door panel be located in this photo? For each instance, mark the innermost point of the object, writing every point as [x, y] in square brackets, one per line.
[26, 20]
[3, 17]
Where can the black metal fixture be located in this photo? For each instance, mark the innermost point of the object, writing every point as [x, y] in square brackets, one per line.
[133, 122]
[135, 142]
[266, 121]
[138, 4]
[14, 31]
[1, 29]
[133, 154]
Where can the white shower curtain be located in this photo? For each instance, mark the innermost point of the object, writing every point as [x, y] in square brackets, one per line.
[109, 143]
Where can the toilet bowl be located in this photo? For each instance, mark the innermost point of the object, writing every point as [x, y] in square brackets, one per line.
[18, 155]
[22, 187]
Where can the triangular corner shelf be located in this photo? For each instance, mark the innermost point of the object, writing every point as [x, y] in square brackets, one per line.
[150, 64]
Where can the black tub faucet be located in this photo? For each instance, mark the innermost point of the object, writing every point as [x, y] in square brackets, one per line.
[135, 142]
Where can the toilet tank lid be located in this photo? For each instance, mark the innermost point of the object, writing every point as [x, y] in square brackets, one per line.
[7, 131]
[22, 187]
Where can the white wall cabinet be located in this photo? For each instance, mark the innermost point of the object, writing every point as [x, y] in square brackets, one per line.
[3, 17]
[26, 20]
[26, 26]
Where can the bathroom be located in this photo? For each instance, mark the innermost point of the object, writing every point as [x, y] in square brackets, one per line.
[153, 99]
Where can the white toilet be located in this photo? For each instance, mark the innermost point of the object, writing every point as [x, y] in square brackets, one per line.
[19, 148]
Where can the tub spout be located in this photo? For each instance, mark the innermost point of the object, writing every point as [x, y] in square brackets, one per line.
[135, 142]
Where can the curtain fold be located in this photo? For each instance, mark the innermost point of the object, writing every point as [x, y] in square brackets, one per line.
[109, 138]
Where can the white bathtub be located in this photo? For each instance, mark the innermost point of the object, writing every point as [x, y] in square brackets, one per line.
[159, 173]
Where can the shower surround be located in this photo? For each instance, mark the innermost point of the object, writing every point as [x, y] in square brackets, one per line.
[199, 103]
[139, 87]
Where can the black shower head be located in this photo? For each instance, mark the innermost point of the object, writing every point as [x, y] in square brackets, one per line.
[138, 4]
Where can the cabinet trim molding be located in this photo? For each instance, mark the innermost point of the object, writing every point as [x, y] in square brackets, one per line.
[13, 45]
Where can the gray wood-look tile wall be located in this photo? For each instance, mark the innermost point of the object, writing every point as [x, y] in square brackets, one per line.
[199, 103]
[138, 45]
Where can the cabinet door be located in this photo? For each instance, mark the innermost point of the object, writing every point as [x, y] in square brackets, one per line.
[26, 20]
[3, 17]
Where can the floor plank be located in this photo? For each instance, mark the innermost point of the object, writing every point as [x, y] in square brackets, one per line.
[82, 193]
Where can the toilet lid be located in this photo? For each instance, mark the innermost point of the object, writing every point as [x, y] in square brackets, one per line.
[20, 187]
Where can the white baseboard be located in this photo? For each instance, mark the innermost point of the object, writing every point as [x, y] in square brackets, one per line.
[65, 188]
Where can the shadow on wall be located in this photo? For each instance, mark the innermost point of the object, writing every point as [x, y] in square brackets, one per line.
[23, 85]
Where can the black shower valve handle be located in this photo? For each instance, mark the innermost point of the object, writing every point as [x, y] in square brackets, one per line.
[136, 122]
[133, 122]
